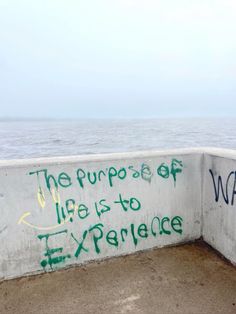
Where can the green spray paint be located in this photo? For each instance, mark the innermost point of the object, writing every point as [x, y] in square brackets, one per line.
[51, 260]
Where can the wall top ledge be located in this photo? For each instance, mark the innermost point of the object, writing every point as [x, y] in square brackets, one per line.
[213, 151]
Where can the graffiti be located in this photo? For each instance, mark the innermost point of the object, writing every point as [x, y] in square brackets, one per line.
[26, 214]
[221, 188]
[164, 171]
[73, 210]
[50, 252]
[65, 213]
[102, 206]
[111, 175]
[114, 238]
[146, 172]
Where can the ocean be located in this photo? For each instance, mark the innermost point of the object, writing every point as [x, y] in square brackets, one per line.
[38, 138]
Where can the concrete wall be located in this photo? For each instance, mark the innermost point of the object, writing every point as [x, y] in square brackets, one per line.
[219, 201]
[63, 211]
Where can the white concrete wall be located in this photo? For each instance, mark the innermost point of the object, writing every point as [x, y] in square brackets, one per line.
[219, 201]
[34, 238]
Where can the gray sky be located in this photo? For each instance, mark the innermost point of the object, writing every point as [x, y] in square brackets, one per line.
[117, 58]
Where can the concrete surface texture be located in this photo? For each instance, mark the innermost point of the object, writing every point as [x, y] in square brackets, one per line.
[65, 211]
[219, 204]
[188, 279]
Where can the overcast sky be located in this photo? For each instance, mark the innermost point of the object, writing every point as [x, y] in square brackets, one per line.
[117, 58]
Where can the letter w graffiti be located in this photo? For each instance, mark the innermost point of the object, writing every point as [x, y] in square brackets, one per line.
[219, 187]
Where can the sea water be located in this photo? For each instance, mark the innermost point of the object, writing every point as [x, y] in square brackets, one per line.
[38, 138]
